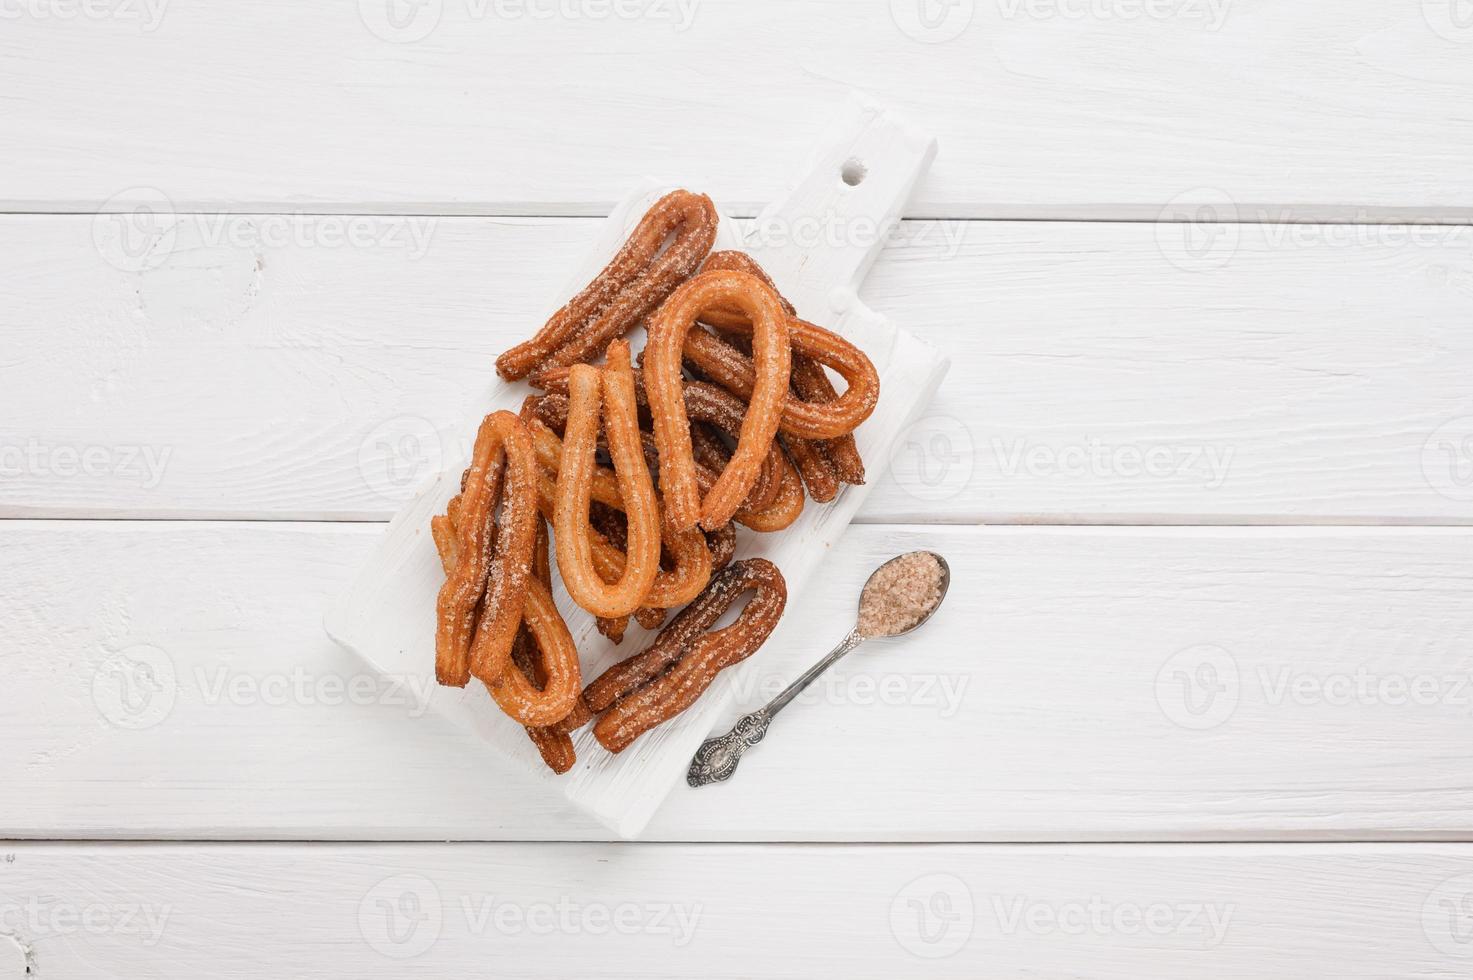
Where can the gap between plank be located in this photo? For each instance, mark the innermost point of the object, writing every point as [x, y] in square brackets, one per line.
[1128, 215]
[1175, 521]
[1196, 844]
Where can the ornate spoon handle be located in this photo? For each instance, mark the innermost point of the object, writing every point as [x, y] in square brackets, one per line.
[717, 758]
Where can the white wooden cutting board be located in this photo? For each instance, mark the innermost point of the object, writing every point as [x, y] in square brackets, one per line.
[818, 244]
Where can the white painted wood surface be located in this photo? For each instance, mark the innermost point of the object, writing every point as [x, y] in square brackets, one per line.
[262, 367]
[1051, 108]
[1046, 702]
[320, 912]
[259, 367]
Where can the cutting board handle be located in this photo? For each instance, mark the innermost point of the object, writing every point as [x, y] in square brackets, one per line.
[821, 239]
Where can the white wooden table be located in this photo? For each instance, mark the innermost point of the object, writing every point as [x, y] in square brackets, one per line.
[1200, 704]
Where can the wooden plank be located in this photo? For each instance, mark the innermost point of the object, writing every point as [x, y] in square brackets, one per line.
[171, 679]
[559, 910]
[1333, 109]
[314, 367]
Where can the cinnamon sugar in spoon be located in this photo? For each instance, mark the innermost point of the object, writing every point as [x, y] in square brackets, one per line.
[900, 595]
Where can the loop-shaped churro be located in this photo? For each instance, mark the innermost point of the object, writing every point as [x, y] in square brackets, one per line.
[487, 563]
[552, 741]
[786, 506]
[832, 460]
[656, 685]
[771, 364]
[810, 456]
[690, 561]
[515, 692]
[614, 388]
[705, 404]
[782, 507]
[761, 421]
[814, 464]
[733, 370]
[721, 545]
[715, 406]
[634, 283]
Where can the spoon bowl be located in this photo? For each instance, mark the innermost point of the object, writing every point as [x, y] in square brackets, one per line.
[943, 586]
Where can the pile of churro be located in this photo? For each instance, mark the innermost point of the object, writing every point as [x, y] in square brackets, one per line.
[631, 476]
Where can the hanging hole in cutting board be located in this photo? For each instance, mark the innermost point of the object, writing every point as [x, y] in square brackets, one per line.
[853, 172]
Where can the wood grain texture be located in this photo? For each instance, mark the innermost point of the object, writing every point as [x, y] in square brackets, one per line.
[171, 679]
[1339, 109]
[560, 910]
[266, 367]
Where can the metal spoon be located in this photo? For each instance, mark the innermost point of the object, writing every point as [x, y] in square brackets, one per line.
[717, 758]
